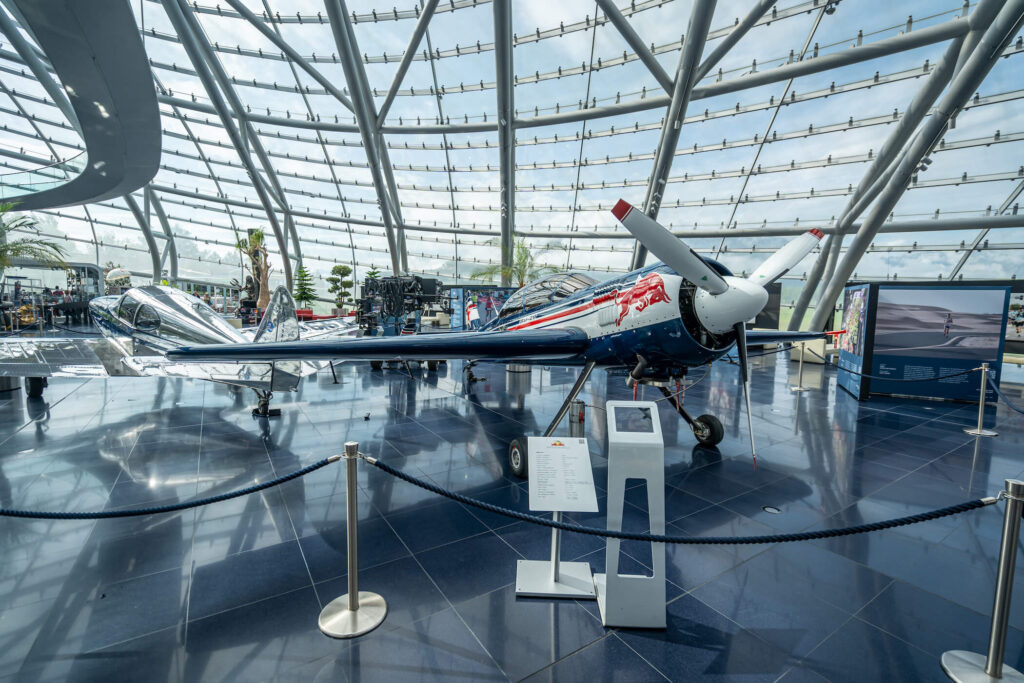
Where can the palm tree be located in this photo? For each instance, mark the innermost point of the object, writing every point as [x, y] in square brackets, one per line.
[42, 251]
[523, 269]
[254, 246]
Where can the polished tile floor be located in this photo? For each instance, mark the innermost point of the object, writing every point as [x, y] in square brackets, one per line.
[231, 592]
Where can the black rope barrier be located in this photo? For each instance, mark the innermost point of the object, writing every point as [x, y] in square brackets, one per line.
[176, 507]
[1001, 395]
[898, 379]
[687, 540]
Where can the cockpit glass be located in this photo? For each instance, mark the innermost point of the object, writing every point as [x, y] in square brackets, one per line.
[546, 290]
[147, 319]
[126, 309]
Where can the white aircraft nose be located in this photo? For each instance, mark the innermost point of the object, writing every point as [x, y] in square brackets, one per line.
[741, 302]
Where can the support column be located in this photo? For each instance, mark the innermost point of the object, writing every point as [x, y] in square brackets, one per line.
[505, 87]
[975, 69]
[693, 46]
[154, 250]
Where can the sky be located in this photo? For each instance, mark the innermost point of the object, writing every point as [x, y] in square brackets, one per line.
[568, 175]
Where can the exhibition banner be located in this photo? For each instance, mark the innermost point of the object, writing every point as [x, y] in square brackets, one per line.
[854, 344]
[924, 332]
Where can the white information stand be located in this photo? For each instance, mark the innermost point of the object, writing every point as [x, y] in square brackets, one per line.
[561, 480]
[636, 450]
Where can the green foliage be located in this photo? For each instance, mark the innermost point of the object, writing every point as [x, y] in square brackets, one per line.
[372, 274]
[303, 284]
[524, 267]
[42, 251]
[339, 283]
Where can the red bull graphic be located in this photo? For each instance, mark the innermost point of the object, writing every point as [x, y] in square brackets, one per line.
[648, 290]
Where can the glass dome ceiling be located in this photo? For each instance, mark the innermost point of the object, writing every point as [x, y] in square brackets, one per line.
[561, 105]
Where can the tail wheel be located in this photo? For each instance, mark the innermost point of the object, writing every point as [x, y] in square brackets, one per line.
[708, 430]
[518, 458]
[432, 365]
[376, 364]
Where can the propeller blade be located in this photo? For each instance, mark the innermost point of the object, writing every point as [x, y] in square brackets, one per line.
[741, 349]
[672, 251]
[779, 263]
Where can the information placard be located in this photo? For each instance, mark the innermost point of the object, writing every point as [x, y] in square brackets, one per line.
[561, 479]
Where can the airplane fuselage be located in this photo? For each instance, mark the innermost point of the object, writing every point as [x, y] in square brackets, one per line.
[648, 312]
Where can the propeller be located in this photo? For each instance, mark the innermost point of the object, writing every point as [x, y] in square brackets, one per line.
[672, 251]
[722, 303]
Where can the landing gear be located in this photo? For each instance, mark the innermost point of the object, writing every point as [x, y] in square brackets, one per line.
[263, 408]
[431, 366]
[34, 386]
[376, 365]
[518, 457]
[707, 428]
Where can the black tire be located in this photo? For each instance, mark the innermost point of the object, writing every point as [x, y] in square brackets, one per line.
[708, 430]
[518, 458]
[432, 365]
[34, 386]
[376, 365]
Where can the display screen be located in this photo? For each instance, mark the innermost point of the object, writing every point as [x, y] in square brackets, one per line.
[634, 419]
[926, 332]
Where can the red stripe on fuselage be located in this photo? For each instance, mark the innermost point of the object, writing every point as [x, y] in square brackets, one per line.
[555, 316]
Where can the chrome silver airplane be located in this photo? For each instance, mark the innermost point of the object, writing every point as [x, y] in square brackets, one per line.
[142, 325]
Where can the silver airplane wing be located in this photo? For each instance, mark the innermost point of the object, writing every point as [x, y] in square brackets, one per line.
[114, 357]
[315, 329]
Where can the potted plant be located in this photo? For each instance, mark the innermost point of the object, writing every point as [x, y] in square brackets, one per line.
[340, 287]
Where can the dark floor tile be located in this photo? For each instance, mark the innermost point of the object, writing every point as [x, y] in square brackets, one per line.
[860, 652]
[438, 648]
[609, 659]
[245, 578]
[257, 642]
[700, 643]
[471, 567]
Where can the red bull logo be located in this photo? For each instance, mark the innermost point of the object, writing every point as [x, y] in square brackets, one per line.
[648, 290]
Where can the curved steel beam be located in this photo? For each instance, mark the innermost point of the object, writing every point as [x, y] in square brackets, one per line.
[172, 248]
[195, 54]
[154, 250]
[96, 51]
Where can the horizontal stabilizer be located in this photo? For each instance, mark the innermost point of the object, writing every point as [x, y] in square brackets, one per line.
[757, 337]
[549, 344]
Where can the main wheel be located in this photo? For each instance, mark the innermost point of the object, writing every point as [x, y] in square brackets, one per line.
[708, 430]
[432, 365]
[376, 364]
[518, 457]
[34, 386]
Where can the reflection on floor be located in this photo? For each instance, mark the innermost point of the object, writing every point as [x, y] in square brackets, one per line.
[232, 591]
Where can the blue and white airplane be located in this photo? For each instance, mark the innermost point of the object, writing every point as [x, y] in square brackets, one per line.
[657, 321]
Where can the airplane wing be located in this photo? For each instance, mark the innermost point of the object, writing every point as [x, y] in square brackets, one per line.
[114, 357]
[315, 329]
[546, 344]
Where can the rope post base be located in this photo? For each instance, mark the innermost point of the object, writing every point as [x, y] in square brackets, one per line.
[969, 667]
[356, 612]
[980, 429]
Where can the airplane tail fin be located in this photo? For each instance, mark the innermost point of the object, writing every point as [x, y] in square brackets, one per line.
[280, 322]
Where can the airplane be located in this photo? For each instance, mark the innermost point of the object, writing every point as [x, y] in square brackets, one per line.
[658, 321]
[140, 326]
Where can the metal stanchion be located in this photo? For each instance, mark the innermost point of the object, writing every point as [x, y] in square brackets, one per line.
[800, 372]
[971, 667]
[357, 612]
[980, 429]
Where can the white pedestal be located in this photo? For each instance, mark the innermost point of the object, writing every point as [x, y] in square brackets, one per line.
[534, 580]
[636, 450]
